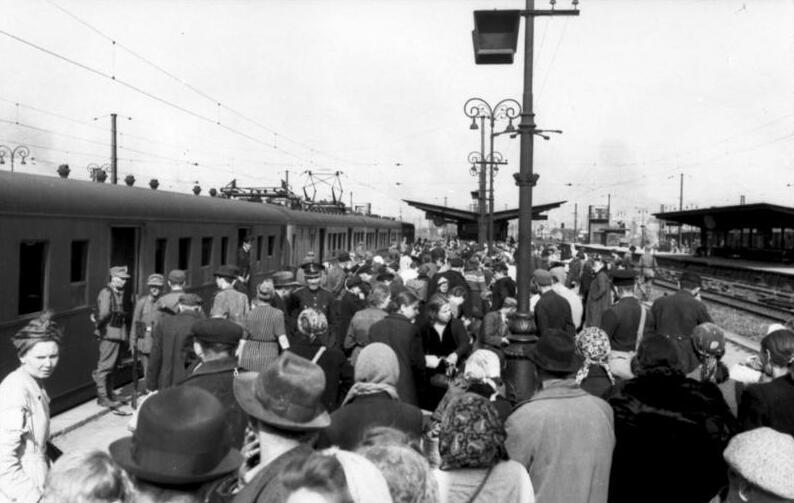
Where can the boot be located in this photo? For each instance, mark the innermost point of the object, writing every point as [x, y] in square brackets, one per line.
[102, 397]
[112, 395]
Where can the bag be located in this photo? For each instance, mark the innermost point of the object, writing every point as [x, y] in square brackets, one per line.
[442, 379]
[117, 319]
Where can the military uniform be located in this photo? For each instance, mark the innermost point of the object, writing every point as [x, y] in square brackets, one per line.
[321, 300]
[111, 330]
[675, 316]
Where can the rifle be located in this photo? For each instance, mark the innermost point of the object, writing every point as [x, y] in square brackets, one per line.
[139, 331]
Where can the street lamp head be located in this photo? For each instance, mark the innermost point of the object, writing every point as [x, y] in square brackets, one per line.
[473, 170]
[474, 125]
[510, 128]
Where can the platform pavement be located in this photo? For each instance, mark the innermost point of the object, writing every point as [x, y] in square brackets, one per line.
[69, 420]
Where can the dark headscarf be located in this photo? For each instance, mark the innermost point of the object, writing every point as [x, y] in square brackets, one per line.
[472, 434]
[42, 329]
[656, 355]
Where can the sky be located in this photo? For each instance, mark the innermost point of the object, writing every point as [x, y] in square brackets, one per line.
[207, 91]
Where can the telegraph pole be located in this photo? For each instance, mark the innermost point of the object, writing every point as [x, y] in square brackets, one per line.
[681, 208]
[575, 221]
[113, 158]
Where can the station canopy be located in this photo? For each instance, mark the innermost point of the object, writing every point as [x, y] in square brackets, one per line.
[759, 215]
[454, 215]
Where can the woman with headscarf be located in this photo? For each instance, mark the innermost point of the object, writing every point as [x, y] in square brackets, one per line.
[446, 344]
[772, 403]
[372, 401]
[25, 412]
[595, 376]
[313, 325]
[334, 476]
[474, 463]
[670, 431]
[708, 340]
[265, 333]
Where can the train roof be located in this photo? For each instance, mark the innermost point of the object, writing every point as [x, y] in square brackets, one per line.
[37, 195]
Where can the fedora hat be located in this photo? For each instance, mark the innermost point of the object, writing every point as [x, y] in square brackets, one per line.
[181, 438]
[556, 352]
[286, 394]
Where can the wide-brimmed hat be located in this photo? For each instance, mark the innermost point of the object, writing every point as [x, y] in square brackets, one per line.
[181, 438]
[623, 277]
[228, 271]
[119, 272]
[556, 352]
[286, 394]
[284, 279]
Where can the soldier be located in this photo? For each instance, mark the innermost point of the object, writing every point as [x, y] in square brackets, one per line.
[229, 303]
[144, 318]
[320, 299]
[111, 329]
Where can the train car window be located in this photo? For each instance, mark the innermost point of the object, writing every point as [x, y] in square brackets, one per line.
[206, 252]
[259, 248]
[159, 255]
[271, 245]
[32, 271]
[224, 250]
[183, 261]
[79, 261]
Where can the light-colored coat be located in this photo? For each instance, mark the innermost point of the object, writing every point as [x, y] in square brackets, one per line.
[24, 431]
[564, 437]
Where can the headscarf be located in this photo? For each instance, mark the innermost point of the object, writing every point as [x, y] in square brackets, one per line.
[472, 434]
[656, 355]
[593, 344]
[42, 329]
[365, 482]
[376, 371]
[408, 474]
[708, 341]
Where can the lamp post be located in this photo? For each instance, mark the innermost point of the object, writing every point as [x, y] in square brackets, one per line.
[493, 161]
[478, 108]
[494, 38]
[20, 151]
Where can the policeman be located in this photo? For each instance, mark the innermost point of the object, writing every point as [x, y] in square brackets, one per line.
[111, 330]
[320, 299]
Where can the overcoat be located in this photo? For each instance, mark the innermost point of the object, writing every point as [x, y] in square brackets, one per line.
[397, 332]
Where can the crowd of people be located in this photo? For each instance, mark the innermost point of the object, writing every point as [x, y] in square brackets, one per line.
[382, 377]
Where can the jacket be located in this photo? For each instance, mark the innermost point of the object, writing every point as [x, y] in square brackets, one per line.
[564, 437]
[552, 311]
[669, 429]
[349, 422]
[769, 404]
[403, 337]
[111, 316]
[172, 350]
[621, 322]
[676, 316]
[217, 377]
[599, 298]
[145, 313]
[266, 487]
[24, 431]
[338, 371]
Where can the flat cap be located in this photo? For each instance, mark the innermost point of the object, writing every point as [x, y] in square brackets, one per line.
[764, 457]
[623, 277]
[542, 277]
[190, 299]
[691, 278]
[119, 272]
[177, 276]
[217, 330]
[228, 271]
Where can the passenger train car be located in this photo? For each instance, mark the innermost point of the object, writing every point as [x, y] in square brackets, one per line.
[59, 237]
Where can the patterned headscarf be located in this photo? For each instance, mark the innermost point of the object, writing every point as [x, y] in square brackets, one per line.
[709, 342]
[593, 344]
[42, 329]
[472, 434]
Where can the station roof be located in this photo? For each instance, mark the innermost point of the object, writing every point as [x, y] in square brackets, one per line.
[458, 215]
[733, 217]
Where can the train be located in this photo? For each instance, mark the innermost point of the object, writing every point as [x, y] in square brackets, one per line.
[59, 237]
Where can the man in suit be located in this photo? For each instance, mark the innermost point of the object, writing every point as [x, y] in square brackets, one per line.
[284, 405]
[675, 316]
[172, 345]
[551, 309]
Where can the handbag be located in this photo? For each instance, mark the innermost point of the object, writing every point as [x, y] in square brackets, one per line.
[442, 379]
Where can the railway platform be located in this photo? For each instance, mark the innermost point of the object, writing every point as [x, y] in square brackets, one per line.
[729, 263]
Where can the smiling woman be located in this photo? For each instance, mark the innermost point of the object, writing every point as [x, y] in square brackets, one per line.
[25, 412]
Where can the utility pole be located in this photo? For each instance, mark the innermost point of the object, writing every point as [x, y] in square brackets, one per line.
[680, 208]
[575, 221]
[609, 208]
[114, 178]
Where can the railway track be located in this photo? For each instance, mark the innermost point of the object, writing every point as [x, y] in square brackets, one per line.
[771, 312]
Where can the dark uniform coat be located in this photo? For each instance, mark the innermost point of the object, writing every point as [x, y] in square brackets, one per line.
[321, 300]
[338, 371]
[769, 404]
[621, 322]
[403, 337]
[172, 350]
[349, 422]
[675, 316]
[217, 377]
[553, 311]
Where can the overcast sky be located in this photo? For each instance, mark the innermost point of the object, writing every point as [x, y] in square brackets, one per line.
[213, 90]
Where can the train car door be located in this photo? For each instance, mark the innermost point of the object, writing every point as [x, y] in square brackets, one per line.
[322, 245]
[124, 252]
[350, 239]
